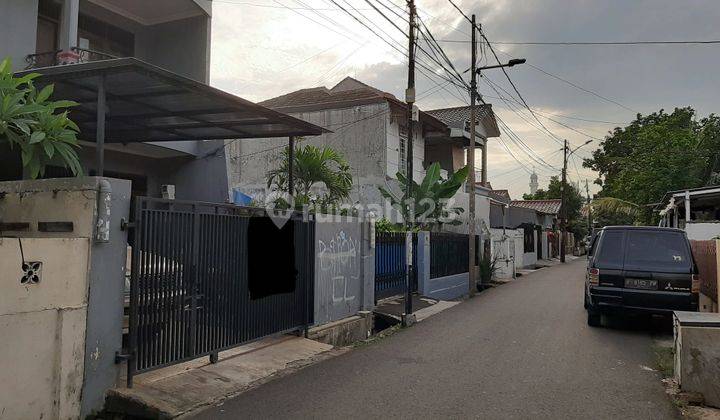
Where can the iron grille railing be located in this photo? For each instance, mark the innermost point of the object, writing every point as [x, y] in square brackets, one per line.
[50, 58]
[390, 267]
[190, 289]
[449, 254]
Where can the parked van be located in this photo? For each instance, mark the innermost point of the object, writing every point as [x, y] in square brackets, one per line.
[640, 269]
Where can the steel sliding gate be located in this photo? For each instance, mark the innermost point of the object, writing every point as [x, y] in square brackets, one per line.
[189, 290]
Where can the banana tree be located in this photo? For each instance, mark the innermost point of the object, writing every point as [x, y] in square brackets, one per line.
[34, 123]
[426, 204]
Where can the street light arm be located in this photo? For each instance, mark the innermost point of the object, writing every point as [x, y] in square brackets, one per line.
[577, 148]
[511, 63]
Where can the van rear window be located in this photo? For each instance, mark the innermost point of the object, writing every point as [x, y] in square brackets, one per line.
[610, 251]
[648, 250]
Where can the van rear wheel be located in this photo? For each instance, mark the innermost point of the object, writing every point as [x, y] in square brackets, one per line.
[594, 318]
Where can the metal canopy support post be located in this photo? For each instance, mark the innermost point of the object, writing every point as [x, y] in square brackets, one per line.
[291, 164]
[100, 132]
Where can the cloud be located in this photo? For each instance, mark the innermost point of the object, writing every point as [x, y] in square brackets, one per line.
[262, 52]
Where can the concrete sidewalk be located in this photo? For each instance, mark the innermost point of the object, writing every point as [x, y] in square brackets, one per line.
[180, 389]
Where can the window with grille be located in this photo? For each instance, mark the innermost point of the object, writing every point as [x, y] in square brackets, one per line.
[402, 149]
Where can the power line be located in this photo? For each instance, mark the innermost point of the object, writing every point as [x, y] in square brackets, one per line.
[575, 85]
[270, 6]
[691, 42]
[507, 76]
[554, 137]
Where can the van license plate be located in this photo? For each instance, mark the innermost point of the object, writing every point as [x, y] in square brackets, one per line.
[644, 284]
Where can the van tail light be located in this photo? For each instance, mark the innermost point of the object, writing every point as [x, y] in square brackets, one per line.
[695, 288]
[594, 276]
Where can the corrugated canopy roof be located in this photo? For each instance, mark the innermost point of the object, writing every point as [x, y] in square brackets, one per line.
[148, 104]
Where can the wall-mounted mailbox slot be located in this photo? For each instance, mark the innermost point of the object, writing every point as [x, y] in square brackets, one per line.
[14, 227]
[55, 227]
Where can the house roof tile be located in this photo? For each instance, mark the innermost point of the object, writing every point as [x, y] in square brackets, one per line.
[543, 206]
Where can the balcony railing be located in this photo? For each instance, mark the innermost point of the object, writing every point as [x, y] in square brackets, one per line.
[50, 59]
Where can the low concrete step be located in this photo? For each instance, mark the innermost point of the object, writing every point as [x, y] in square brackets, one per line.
[177, 390]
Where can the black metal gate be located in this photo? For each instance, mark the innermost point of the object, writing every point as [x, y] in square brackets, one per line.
[390, 268]
[190, 289]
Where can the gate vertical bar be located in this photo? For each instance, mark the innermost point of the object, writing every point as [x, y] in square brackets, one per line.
[190, 349]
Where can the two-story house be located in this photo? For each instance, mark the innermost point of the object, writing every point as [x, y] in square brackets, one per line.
[163, 124]
[366, 125]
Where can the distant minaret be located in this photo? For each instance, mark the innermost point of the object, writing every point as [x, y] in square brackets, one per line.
[533, 183]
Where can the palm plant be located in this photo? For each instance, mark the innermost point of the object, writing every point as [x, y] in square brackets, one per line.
[614, 211]
[314, 167]
[426, 204]
[31, 121]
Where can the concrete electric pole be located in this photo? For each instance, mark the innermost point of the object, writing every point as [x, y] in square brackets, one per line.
[410, 99]
[563, 195]
[471, 162]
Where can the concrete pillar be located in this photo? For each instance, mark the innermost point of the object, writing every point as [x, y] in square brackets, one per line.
[687, 206]
[368, 264]
[423, 262]
[68, 32]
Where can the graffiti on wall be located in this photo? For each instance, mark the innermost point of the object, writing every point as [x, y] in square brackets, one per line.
[339, 265]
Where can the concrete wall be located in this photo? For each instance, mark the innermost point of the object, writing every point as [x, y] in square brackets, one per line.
[443, 288]
[344, 269]
[702, 231]
[482, 213]
[43, 328]
[106, 303]
[393, 149]
[18, 30]
[362, 143]
[74, 315]
[182, 46]
[697, 351]
[507, 247]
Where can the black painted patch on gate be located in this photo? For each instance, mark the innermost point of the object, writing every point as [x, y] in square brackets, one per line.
[271, 258]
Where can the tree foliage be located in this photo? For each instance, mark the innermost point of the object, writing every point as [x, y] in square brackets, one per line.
[657, 153]
[574, 202]
[427, 201]
[609, 211]
[321, 177]
[30, 120]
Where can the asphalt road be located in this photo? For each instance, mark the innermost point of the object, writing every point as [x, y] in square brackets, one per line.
[521, 350]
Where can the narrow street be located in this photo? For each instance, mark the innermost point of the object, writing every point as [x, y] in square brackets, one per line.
[522, 350]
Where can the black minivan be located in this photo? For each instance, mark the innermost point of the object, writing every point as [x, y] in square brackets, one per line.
[640, 269]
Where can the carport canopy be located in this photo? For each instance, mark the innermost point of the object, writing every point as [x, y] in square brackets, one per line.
[126, 100]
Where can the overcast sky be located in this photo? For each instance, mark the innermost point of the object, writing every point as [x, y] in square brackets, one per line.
[265, 48]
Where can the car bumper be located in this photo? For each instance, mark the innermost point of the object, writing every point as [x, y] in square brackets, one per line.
[612, 299]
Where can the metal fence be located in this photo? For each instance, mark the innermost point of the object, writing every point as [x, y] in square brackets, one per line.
[390, 268]
[190, 292]
[449, 254]
[705, 255]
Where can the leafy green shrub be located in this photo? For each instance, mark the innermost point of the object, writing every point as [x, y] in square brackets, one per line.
[34, 123]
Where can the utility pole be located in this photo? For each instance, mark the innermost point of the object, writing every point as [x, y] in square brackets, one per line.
[589, 208]
[471, 162]
[563, 210]
[410, 99]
